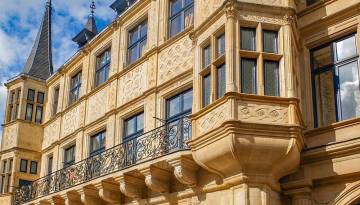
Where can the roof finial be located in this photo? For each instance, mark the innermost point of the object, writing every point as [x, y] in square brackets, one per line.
[92, 7]
[48, 3]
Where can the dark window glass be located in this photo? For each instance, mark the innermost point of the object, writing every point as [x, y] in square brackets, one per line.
[206, 56]
[69, 156]
[248, 76]
[31, 95]
[220, 45]
[134, 126]
[10, 165]
[33, 167]
[270, 41]
[23, 165]
[75, 86]
[11, 114]
[56, 100]
[247, 36]
[2, 184]
[336, 82]
[3, 170]
[102, 67]
[271, 78]
[38, 114]
[137, 42]
[40, 98]
[310, 2]
[181, 15]
[29, 111]
[50, 165]
[179, 105]
[206, 90]
[23, 183]
[97, 143]
[221, 85]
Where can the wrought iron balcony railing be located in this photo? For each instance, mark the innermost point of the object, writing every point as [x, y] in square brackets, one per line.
[156, 143]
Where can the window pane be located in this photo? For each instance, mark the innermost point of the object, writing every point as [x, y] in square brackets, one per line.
[24, 183]
[206, 90]
[221, 81]
[189, 17]
[133, 36]
[188, 2]
[140, 122]
[188, 98]
[31, 95]
[23, 165]
[325, 99]
[143, 29]
[175, 25]
[310, 2]
[56, 100]
[29, 111]
[133, 54]
[220, 45]
[175, 7]
[248, 39]
[174, 106]
[142, 48]
[69, 156]
[97, 143]
[349, 90]
[40, 98]
[50, 162]
[38, 116]
[322, 57]
[206, 56]
[270, 41]
[271, 76]
[346, 48]
[248, 76]
[33, 167]
[130, 126]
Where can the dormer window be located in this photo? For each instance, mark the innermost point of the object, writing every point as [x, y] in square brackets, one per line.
[102, 67]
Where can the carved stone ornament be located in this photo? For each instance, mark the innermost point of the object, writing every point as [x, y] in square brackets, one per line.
[109, 192]
[156, 179]
[185, 170]
[229, 8]
[131, 186]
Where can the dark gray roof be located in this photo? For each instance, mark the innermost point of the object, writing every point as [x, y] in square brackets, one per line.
[39, 64]
[89, 32]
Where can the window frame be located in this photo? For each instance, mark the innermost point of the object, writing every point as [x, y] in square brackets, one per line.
[278, 80]
[104, 68]
[50, 168]
[277, 40]
[334, 68]
[71, 162]
[56, 100]
[242, 28]
[138, 42]
[128, 137]
[180, 13]
[254, 76]
[75, 87]
[26, 165]
[183, 112]
[101, 149]
[31, 167]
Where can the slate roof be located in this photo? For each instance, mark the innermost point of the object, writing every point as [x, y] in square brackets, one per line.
[89, 32]
[39, 64]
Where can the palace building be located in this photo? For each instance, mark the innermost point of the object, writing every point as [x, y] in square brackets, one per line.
[191, 102]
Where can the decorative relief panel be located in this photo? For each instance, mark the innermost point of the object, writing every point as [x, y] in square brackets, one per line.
[97, 105]
[71, 121]
[248, 16]
[213, 119]
[133, 83]
[10, 135]
[51, 133]
[176, 59]
[262, 113]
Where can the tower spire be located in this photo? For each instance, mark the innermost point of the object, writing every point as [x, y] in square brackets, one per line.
[39, 63]
[90, 29]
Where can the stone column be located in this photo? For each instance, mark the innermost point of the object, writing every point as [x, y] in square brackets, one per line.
[230, 46]
[299, 191]
[287, 51]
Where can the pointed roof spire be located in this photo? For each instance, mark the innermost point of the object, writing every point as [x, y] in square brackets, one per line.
[39, 63]
[90, 29]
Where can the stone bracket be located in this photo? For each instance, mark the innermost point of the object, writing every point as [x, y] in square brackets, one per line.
[90, 196]
[156, 179]
[131, 186]
[185, 170]
[109, 191]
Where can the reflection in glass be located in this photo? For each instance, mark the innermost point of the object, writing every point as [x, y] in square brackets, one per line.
[247, 36]
[346, 48]
[248, 76]
[271, 77]
[206, 90]
[221, 81]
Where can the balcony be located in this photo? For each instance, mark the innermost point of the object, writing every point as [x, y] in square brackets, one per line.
[157, 143]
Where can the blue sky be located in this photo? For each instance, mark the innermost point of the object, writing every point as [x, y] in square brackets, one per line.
[19, 24]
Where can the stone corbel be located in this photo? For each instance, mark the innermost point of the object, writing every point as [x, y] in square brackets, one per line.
[131, 186]
[90, 196]
[185, 170]
[72, 198]
[299, 191]
[109, 192]
[56, 200]
[156, 179]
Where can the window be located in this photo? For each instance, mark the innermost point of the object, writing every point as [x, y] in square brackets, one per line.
[2, 184]
[335, 77]
[206, 90]
[181, 15]
[220, 45]
[248, 39]
[33, 167]
[206, 56]
[30, 105]
[3, 170]
[310, 2]
[23, 183]
[23, 165]
[50, 164]
[248, 76]
[102, 67]
[271, 78]
[221, 85]
[10, 165]
[97, 143]
[39, 107]
[13, 105]
[270, 41]
[179, 105]
[133, 127]
[56, 100]
[69, 156]
[137, 42]
[75, 85]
